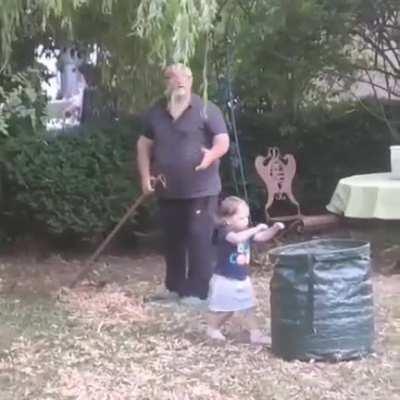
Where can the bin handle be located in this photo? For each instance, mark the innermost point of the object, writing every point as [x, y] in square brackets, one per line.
[310, 293]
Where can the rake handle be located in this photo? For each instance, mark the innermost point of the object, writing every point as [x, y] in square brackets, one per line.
[106, 241]
[158, 180]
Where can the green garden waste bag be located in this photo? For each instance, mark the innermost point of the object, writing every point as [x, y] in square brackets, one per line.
[322, 300]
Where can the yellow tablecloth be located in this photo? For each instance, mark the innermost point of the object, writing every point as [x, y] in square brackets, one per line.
[367, 196]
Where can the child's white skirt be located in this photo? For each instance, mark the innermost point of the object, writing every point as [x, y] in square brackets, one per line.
[230, 294]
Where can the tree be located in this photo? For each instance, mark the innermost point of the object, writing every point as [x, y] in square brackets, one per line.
[132, 38]
[284, 50]
[377, 34]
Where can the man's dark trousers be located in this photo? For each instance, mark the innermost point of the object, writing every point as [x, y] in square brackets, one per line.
[188, 226]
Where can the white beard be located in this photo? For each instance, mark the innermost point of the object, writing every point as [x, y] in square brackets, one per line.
[178, 102]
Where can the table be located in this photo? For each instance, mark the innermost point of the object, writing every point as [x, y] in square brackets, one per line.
[367, 196]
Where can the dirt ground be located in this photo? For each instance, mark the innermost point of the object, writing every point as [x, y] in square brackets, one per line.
[109, 343]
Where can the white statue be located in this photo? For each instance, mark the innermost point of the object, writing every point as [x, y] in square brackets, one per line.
[72, 81]
[68, 106]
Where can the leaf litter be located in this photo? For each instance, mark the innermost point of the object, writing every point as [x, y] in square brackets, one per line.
[112, 345]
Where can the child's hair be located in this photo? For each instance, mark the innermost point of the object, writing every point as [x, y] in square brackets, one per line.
[228, 208]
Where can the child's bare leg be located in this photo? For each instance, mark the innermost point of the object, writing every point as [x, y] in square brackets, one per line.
[251, 325]
[214, 322]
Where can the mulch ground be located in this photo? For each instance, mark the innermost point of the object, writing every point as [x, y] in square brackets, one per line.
[110, 343]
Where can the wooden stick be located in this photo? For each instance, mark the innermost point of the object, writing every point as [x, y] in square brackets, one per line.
[106, 241]
[89, 263]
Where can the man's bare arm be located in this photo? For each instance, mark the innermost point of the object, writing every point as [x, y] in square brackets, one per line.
[144, 153]
[220, 145]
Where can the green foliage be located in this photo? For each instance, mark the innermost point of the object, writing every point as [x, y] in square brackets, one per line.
[173, 26]
[21, 101]
[328, 144]
[128, 70]
[132, 38]
[283, 48]
[286, 51]
[33, 17]
[288, 58]
[77, 185]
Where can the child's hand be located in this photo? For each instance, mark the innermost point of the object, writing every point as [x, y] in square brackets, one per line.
[279, 226]
[261, 227]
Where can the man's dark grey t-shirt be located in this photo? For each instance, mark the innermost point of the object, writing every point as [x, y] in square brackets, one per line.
[178, 144]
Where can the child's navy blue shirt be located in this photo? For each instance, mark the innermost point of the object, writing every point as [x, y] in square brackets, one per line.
[232, 259]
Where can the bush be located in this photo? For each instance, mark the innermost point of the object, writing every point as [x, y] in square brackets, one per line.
[327, 144]
[22, 102]
[77, 185]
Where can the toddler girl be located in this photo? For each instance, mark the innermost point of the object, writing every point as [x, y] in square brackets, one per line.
[231, 290]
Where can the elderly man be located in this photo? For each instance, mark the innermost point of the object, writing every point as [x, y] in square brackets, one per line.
[183, 139]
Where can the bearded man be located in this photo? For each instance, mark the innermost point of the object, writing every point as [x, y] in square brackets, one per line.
[183, 139]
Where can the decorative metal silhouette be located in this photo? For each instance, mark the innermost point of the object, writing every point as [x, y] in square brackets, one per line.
[277, 171]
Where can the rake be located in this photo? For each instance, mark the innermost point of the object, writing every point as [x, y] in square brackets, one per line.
[88, 266]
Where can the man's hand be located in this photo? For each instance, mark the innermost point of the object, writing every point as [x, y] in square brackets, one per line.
[219, 147]
[208, 159]
[148, 185]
